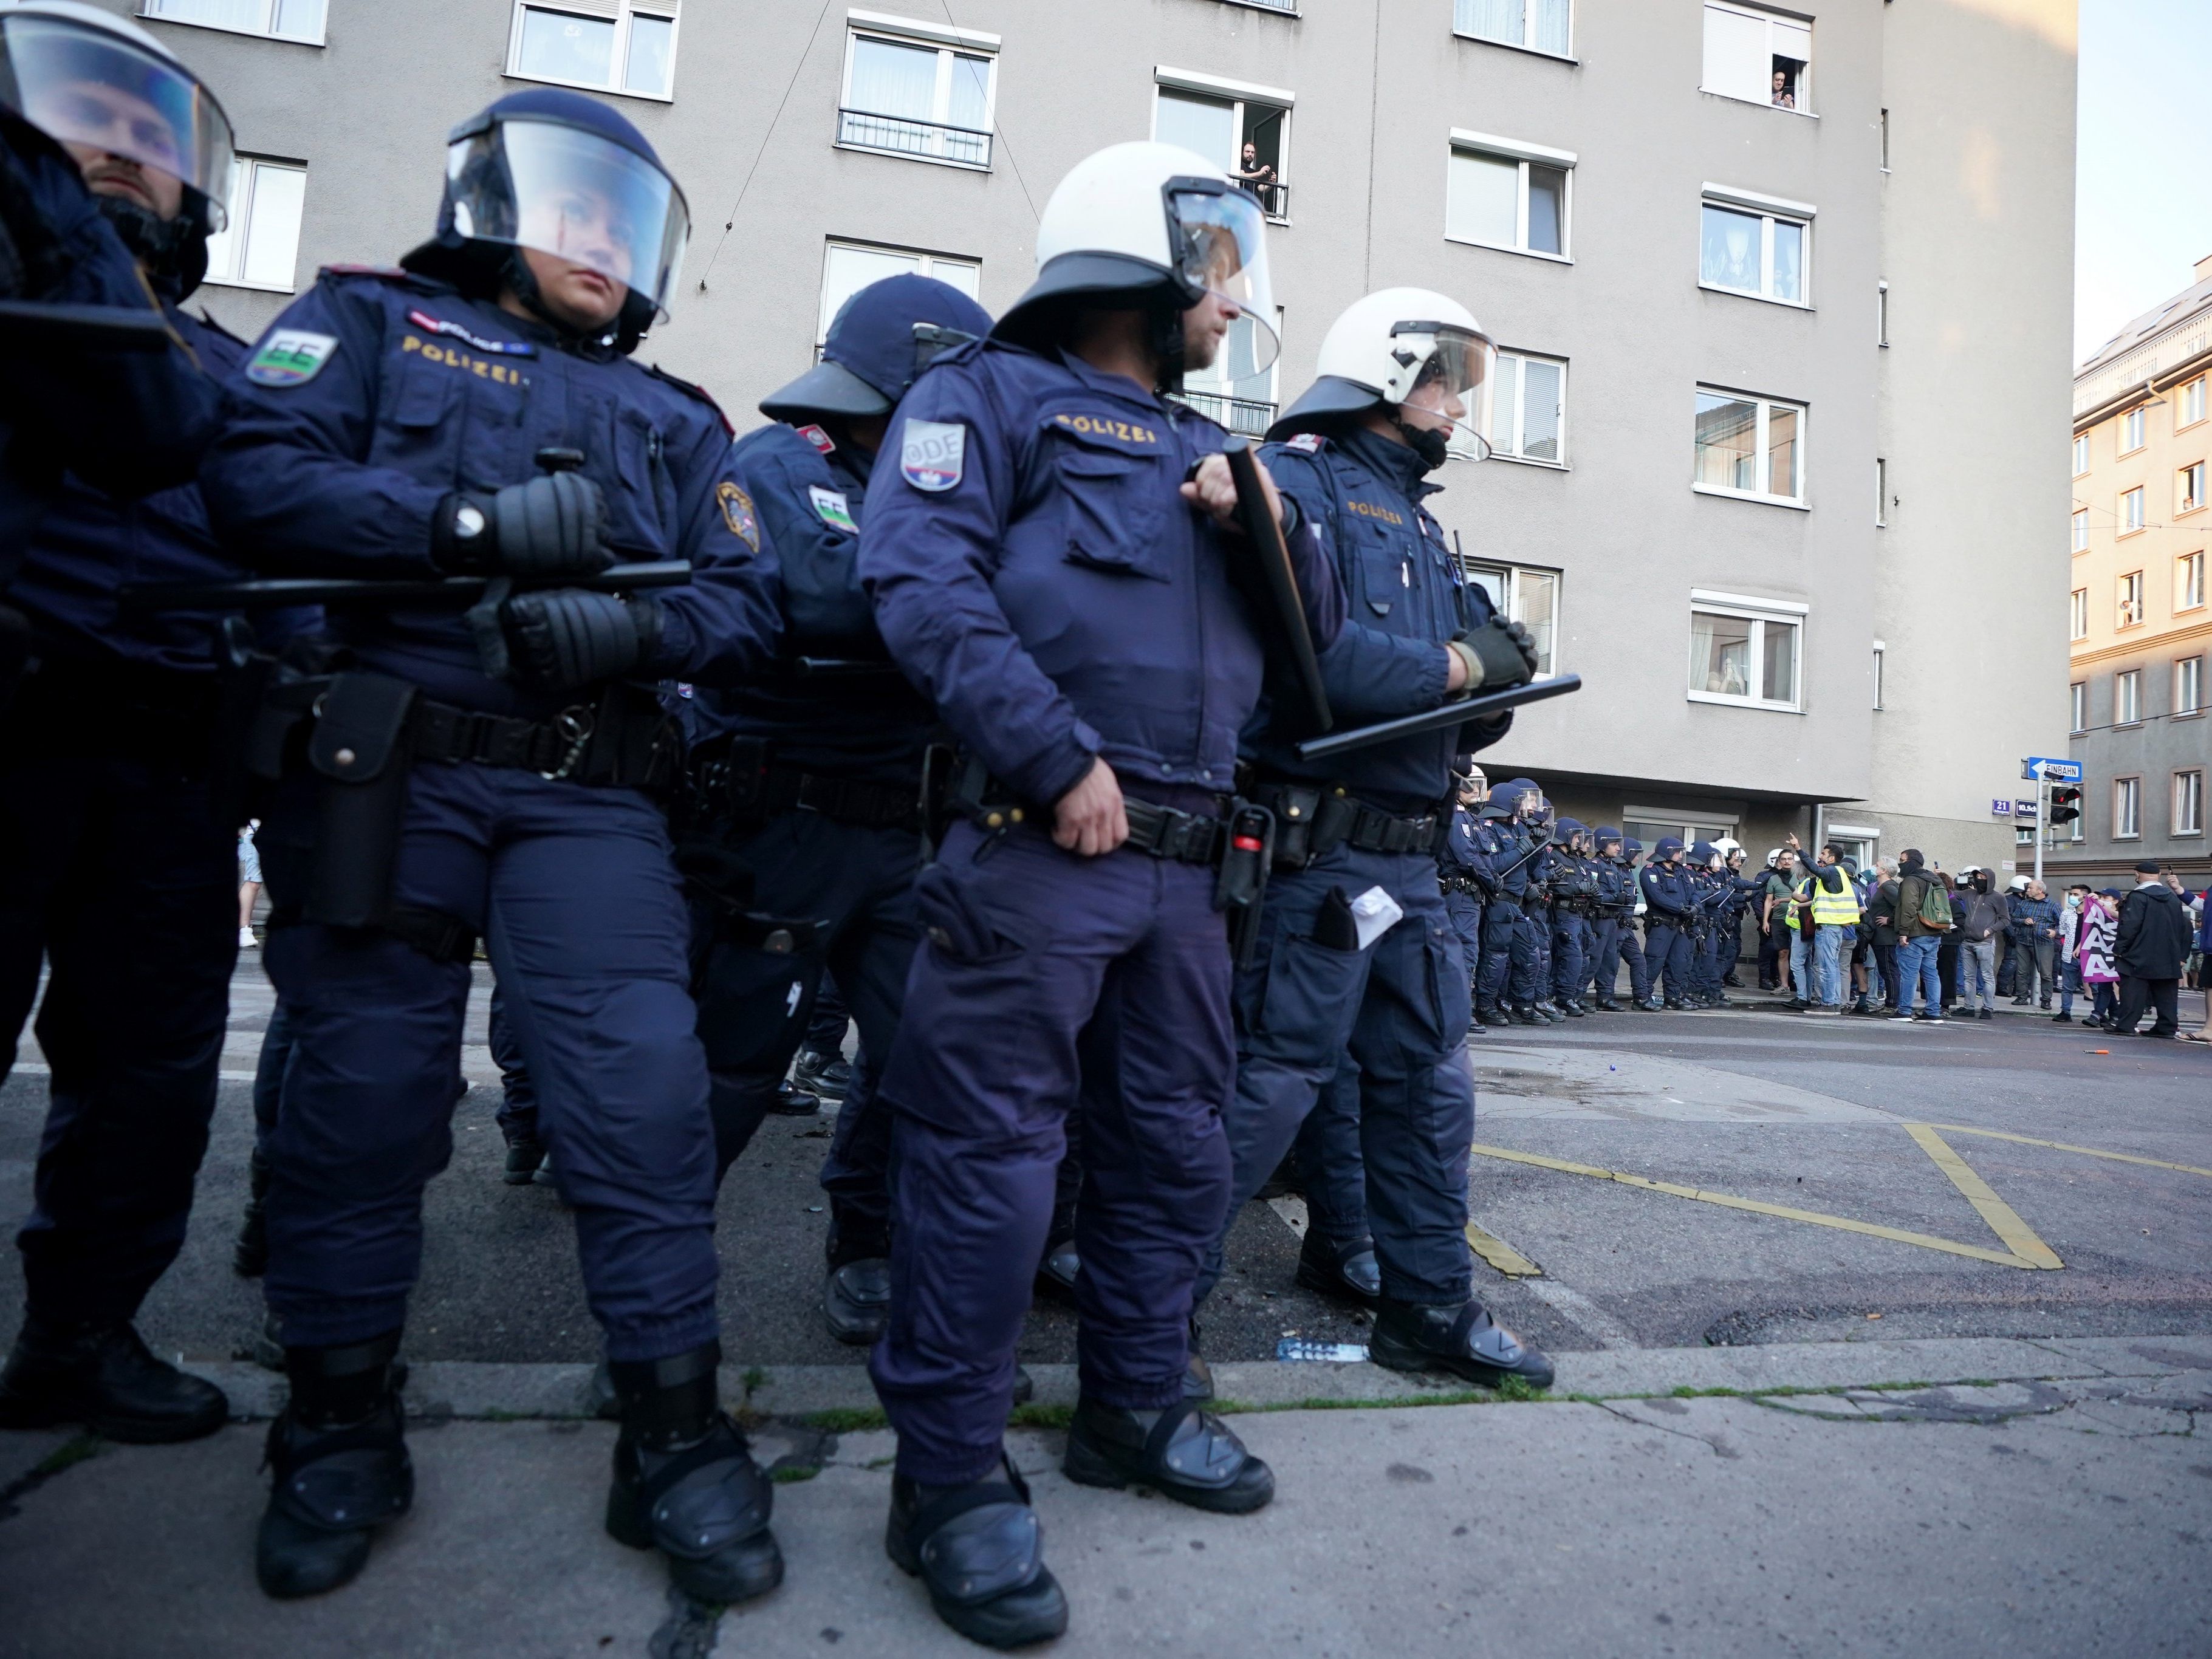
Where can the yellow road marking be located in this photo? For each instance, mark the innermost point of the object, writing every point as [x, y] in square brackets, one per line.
[2063, 1146]
[1728, 1200]
[1500, 1254]
[2004, 1221]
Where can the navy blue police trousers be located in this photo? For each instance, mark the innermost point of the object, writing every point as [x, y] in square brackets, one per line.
[1571, 954]
[1508, 974]
[1666, 947]
[576, 897]
[1049, 983]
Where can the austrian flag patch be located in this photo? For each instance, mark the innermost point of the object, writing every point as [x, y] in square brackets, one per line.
[931, 454]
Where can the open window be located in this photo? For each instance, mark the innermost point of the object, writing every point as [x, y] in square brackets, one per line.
[1760, 57]
[1244, 130]
[920, 90]
[1230, 391]
[608, 45]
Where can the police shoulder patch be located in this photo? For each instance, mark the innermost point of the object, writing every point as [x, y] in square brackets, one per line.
[932, 454]
[1306, 443]
[833, 508]
[821, 440]
[737, 513]
[290, 356]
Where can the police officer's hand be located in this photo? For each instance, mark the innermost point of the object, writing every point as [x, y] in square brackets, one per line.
[1492, 657]
[1213, 492]
[1089, 818]
[552, 525]
[565, 637]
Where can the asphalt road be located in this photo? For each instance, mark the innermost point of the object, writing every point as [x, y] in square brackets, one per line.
[1801, 1113]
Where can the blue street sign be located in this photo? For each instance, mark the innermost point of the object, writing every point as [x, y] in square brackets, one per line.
[2058, 771]
[2001, 809]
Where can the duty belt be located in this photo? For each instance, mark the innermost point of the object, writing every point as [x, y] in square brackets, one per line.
[1461, 884]
[842, 801]
[1166, 832]
[1312, 818]
[444, 732]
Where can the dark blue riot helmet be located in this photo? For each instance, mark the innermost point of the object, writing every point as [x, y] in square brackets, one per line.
[553, 170]
[882, 338]
[1603, 836]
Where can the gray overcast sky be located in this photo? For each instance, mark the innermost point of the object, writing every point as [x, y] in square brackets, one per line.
[2142, 213]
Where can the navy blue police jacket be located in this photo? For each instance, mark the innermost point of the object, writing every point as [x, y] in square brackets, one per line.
[1616, 888]
[1471, 850]
[1668, 895]
[810, 490]
[91, 544]
[1404, 595]
[1036, 570]
[126, 422]
[377, 392]
[1519, 862]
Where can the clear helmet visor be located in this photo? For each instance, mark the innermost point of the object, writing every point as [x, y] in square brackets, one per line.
[1217, 239]
[573, 195]
[1534, 807]
[83, 86]
[1456, 379]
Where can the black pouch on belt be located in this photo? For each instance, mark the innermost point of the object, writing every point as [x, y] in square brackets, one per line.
[633, 743]
[1240, 886]
[1295, 809]
[360, 752]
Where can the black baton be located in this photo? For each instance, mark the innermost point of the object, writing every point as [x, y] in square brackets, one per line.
[1271, 585]
[1441, 718]
[27, 325]
[272, 592]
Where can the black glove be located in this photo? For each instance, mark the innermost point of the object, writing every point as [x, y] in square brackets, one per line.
[553, 526]
[1504, 651]
[562, 638]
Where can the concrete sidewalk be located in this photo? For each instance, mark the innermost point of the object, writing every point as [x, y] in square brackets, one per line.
[2062, 1503]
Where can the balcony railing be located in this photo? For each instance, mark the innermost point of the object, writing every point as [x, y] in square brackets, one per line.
[1274, 199]
[1247, 415]
[931, 141]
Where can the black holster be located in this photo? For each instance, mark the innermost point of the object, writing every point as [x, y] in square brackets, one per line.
[359, 751]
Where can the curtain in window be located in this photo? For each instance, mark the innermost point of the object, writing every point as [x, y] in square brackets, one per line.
[1539, 423]
[647, 71]
[299, 19]
[1778, 672]
[1728, 254]
[1492, 20]
[1483, 202]
[1552, 17]
[1720, 654]
[557, 47]
[1204, 124]
[893, 79]
[250, 15]
[1789, 260]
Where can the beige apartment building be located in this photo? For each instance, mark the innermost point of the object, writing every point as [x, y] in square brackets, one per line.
[2140, 625]
[1744, 262]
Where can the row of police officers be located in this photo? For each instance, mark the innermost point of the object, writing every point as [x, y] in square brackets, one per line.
[952, 682]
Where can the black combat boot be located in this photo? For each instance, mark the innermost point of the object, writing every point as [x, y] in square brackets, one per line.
[1347, 1271]
[1463, 1339]
[1184, 1452]
[101, 1375]
[1606, 1004]
[826, 1075]
[339, 1468]
[525, 1153]
[249, 1257]
[856, 1300]
[979, 1551]
[1055, 1275]
[1524, 1014]
[789, 1101]
[686, 1484]
[1574, 1010]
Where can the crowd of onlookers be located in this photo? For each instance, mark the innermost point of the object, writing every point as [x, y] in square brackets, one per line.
[1926, 945]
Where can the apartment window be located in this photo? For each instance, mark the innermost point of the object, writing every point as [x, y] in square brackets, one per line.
[2131, 431]
[1529, 597]
[1758, 57]
[1880, 652]
[1650, 825]
[2078, 707]
[2081, 530]
[1231, 390]
[2189, 488]
[2127, 809]
[1745, 247]
[1530, 409]
[1545, 26]
[2188, 803]
[918, 90]
[2189, 685]
[2128, 609]
[2080, 453]
[259, 245]
[848, 267]
[2189, 582]
[1503, 194]
[1750, 446]
[281, 20]
[1881, 313]
[2127, 697]
[2078, 618]
[1881, 493]
[1221, 120]
[2131, 510]
[2191, 401]
[1744, 651]
[609, 46]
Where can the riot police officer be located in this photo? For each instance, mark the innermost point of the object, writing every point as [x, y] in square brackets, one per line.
[813, 783]
[1573, 890]
[117, 866]
[478, 411]
[1356, 950]
[1615, 900]
[1516, 820]
[1049, 560]
[1670, 912]
[1469, 871]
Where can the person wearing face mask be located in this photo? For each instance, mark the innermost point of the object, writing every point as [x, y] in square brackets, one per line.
[1984, 915]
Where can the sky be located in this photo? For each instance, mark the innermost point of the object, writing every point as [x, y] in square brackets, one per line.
[2142, 214]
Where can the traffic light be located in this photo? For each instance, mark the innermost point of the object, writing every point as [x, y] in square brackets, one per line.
[2065, 803]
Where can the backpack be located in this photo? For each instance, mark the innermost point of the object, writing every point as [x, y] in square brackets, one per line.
[1934, 906]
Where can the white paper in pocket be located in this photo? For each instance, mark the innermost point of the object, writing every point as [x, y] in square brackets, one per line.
[1375, 912]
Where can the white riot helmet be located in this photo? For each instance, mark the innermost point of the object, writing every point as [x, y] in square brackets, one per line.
[1139, 224]
[1398, 346]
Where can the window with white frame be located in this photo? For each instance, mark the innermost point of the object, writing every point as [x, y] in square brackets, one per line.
[2081, 530]
[1754, 246]
[2127, 697]
[2127, 809]
[280, 20]
[2131, 431]
[1881, 492]
[2131, 510]
[2189, 685]
[1245, 130]
[1503, 194]
[848, 267]
[2078, 615]
[609, 46]
[2189, 582]
[1528, 409]
[1760, 57]
[2189, 802]
[1880, 652]
[2080, 453]
[1749, 446]
[1745, 651]
[1526, 595]
[2190, 401]
[1544, 26]
[259, 245]
[2127, 600]
[2189, 488]
[2078, 707]
[918, 90]
[1231, 390]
